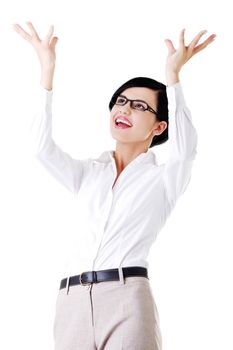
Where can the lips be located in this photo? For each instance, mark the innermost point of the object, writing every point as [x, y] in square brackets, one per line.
[122, 118]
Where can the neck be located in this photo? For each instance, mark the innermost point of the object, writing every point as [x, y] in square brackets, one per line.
[124, 154]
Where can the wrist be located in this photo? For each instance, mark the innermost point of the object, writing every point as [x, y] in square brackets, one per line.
[47, 78]
[172, 77]
[48, 67]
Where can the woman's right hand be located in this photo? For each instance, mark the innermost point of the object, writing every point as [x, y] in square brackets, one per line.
[45, 49]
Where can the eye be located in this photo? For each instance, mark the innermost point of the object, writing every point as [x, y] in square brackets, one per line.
[120, 100]
[139, 105]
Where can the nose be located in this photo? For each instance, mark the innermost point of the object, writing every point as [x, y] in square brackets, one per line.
[125, 108]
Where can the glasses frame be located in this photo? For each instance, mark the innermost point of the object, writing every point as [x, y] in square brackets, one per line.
[131, 104]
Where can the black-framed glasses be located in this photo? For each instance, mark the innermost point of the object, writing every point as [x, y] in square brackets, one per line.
[139, 105]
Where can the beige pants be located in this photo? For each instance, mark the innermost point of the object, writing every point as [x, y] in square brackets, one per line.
[111, 315]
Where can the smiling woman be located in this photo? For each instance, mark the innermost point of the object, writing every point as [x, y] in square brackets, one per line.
[152, 91]
[124, 199]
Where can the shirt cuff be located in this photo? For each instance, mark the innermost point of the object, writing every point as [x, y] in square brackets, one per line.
[44, 97]
[43, 88]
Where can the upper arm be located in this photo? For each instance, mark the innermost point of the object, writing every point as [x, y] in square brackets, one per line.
[176, 177]
[67, 170]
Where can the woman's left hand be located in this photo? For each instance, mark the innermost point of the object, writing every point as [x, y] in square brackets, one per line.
[177, 58]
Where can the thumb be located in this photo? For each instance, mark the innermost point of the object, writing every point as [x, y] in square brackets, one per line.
[170, 46]
[53, 42]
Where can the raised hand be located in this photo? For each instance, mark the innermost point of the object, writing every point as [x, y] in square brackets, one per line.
[177, 58]
[45, 50]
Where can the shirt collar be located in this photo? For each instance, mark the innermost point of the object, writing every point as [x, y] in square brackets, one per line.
[148, 157]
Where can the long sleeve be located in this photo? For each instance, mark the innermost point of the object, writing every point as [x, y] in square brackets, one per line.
[67, 170]
[182, 144]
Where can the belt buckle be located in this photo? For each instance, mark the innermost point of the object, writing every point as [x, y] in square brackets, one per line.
[87, 283]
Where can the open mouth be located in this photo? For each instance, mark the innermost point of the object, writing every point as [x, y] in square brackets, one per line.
[122, 123]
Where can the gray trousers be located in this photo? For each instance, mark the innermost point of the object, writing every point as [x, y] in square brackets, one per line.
[109, 315]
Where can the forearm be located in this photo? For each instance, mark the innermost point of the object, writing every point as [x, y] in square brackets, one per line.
[182, 133]
[47, 74]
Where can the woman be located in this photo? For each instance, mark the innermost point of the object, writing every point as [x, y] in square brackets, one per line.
[124, 198]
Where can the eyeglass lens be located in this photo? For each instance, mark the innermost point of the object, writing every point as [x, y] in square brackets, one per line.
[135, 104]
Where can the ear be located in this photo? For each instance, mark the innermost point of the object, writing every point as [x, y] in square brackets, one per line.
[160, 127]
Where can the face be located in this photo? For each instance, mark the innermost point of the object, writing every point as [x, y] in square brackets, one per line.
[144, 123]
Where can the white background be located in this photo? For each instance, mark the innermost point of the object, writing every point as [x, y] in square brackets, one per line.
[101, 45]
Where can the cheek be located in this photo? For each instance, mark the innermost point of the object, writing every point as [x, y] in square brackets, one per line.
[113, 112]
[114, 109]
[142, 125]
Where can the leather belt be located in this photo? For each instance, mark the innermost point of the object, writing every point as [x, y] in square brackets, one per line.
[89, 277]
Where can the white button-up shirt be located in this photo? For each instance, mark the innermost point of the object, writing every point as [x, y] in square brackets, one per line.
[116, 227]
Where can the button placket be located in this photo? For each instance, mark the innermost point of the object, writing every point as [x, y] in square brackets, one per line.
[103, 226]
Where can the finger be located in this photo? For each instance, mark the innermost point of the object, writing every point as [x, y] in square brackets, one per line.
[21, 31]
[196, 39]
[32, 29]
[49, 35]
[182, 38]
[170, 46]
[53, 42]
[204, 44]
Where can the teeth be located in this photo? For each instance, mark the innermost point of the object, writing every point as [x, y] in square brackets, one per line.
[122, 121]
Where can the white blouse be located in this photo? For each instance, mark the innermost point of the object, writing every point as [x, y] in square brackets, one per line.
[116, 227]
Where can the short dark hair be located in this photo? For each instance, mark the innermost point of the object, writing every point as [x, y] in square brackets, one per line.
[162, 102]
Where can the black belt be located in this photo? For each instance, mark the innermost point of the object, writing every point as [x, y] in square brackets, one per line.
[104, 275]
